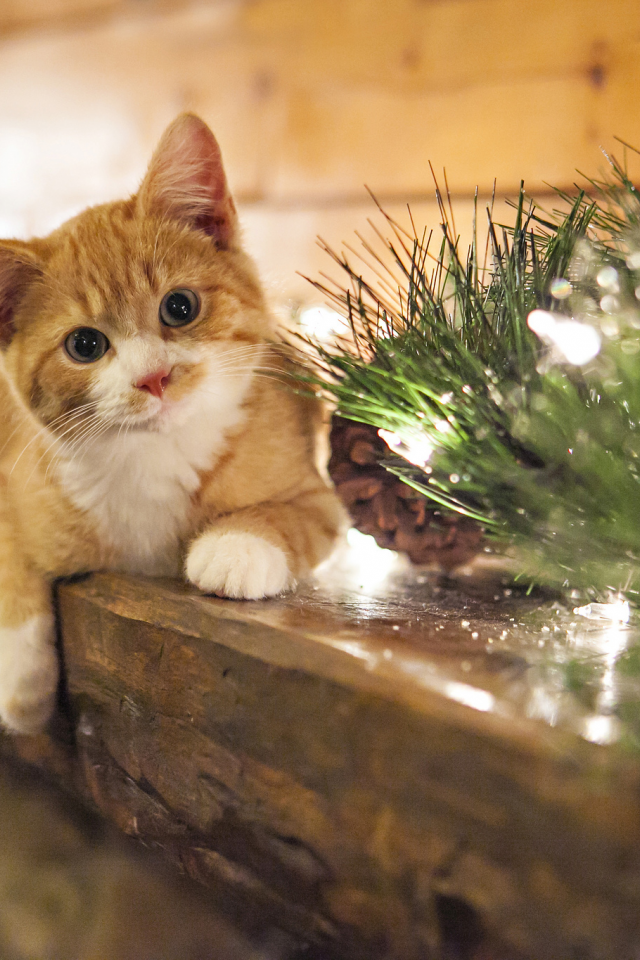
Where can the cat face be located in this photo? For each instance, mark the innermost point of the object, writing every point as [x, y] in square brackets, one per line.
[136, 313]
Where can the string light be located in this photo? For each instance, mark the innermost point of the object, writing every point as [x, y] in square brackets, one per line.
[416, 450]
[373, 563]
[322, 323]
[576, 342]
[616, 611]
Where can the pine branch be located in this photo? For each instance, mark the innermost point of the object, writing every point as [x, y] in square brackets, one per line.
[541, 451]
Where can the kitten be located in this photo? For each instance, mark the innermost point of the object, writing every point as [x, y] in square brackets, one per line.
[137, 433]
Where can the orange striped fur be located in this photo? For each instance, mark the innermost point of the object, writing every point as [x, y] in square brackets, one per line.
[177, 451]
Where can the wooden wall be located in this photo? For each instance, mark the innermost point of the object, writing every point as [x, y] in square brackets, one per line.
[311, 99]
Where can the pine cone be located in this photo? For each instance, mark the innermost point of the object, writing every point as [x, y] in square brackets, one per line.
[382, 505]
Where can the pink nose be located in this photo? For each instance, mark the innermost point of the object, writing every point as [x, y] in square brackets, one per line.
[155, 383]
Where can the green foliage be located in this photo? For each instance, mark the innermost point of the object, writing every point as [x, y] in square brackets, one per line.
[542, 452]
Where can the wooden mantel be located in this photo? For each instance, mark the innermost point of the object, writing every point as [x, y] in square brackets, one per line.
[361, 761]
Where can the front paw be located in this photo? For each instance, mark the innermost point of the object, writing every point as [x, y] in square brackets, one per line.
[238, 565]
[28, 674]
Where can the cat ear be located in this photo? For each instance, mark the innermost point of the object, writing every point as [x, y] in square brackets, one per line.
[186, 181]
[18, 268]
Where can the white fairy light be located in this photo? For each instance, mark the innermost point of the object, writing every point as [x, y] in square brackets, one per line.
[322, 322]
[608, 279]
[416, 450]
[372, 562]
[601, 728]
[616, 611]
[609, 303]
[578, 343]
[442, 426]
[390, 438]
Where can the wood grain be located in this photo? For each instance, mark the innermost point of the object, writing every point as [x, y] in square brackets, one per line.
[276, 751]
[312, 100]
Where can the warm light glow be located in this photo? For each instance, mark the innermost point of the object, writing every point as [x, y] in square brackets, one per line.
[372, 562]
[544, 704]
[425, 674]
[470, 696]
[617, 611]
[416, 450]
[576, 342]
[610, 640]
[322, 322]
[601, 728]
[608, 278]
[355, 649]
[390, 438]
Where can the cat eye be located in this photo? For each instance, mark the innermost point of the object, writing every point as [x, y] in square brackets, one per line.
[179, 307]
[86, 345]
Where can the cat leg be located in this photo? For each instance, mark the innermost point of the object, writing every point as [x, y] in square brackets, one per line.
[260, 551]
[28, 660]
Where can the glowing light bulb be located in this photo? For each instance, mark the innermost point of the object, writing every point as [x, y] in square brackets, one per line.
[390, 438]
[322, 322]
[617, 611]
[578, 343]
[371, 562]
[601, 728]
[416, 450]
[608, 278]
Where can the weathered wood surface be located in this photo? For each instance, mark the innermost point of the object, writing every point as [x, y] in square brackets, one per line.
[71, 888]
[359, 762]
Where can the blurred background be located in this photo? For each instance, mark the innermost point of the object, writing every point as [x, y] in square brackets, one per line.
[310, 100]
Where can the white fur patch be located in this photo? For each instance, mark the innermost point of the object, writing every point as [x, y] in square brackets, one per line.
[137, 485]
[238, 565]
[28, 674]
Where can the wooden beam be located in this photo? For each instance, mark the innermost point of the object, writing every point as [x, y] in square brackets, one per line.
[351, 761]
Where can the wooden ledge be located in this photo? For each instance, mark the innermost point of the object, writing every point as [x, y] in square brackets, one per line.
[356, 761]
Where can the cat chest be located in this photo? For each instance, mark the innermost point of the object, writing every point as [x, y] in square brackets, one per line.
[140, 501]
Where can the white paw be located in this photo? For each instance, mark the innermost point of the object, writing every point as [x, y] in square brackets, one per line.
[28, 674]
[238, 565]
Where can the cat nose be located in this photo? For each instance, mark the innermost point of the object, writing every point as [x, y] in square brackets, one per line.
[155, 383]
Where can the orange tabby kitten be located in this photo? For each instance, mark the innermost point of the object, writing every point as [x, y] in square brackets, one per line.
[136, 433]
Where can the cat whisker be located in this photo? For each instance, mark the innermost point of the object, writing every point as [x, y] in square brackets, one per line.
[46, 429]
[55, 440]
[248, 361]
[80, 444]
[24, 416]
[126, 420]
[89, 437]
[244, 369]
[88, 425]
